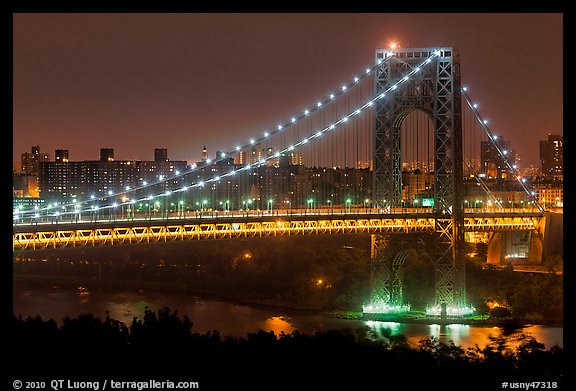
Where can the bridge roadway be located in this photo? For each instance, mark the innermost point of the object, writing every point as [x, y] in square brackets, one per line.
[238, 224]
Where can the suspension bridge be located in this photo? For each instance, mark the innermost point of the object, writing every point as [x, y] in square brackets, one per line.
[405, 125]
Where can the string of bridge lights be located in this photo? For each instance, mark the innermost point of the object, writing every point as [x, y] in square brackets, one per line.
[247, 167]
[253, 141]
[503, 153]
[320, 104]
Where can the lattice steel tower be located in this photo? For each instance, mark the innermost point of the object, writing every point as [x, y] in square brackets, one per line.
[435, 90]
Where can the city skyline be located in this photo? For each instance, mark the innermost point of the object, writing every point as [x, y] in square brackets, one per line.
[139, 82]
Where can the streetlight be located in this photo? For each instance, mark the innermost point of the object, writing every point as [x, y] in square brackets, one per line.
[75, 202]
[132, 208]
[311, 205]
[348, 204]
[56, 214]
[366, 201]
[63, 212]
[270, 202]
[166, 199]
[181, 206]
[330, 205]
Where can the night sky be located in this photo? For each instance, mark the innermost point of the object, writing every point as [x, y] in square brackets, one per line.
[135, 82]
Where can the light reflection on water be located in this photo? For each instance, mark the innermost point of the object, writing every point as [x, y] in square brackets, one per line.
[466, 335]
[277, 324]
[457, 333]
[236, 320]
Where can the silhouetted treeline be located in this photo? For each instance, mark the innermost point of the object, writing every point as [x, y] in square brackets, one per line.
[163, 344]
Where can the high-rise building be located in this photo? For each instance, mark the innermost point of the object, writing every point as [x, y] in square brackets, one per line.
[493, 163]
[61, 180]
[416, 183]
[160, 155]
[61, 155]
[551, 155]
[204, 154]
[290, 158]
[106, 154]
[250, 156]
[30, 160]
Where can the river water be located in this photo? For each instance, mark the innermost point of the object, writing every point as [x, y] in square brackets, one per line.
[232, 319]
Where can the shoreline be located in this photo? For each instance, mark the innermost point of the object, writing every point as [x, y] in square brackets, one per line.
[75, 282]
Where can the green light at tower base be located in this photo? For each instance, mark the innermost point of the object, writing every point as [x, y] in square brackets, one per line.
[451, 311]
[384, 308]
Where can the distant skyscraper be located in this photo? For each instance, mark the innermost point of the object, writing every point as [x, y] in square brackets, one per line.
[204, 154]
[61, 180]
[30, 161]
[160, 155]
[240, 158]
[552, 155]
[251, 156]
[61, 155]
[106, 154]
[492, 162]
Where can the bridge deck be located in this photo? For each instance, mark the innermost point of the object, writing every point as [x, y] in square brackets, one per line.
[33, 237]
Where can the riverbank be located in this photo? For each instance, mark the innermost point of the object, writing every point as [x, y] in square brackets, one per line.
[417, 317]
[88, 284]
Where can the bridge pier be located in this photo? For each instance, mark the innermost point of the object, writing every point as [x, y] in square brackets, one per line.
[553, 234]
[511, 246]
[387, 255]
[379, 270]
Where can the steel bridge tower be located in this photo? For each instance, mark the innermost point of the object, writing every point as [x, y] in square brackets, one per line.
[435, 90]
